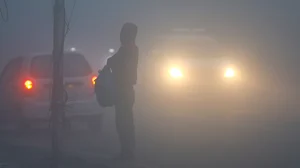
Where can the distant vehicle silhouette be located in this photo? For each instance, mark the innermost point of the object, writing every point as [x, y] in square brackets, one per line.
[187, 65]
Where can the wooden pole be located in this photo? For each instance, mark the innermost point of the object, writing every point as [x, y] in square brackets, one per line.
[57, 100]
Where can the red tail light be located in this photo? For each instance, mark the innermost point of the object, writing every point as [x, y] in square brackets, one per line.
[28, 84]
[94, 80]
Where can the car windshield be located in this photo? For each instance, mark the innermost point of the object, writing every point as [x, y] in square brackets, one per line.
[186, 47]
[75, 65]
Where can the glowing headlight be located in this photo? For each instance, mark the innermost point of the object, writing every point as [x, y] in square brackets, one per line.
[175, 73]
[229, 73]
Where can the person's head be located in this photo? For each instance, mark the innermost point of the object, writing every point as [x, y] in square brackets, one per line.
[128, 34]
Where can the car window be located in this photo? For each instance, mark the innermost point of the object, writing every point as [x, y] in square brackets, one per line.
[12, 70]
[75, 65]
[185, 46]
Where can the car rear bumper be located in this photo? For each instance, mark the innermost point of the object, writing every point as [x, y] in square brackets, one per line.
[41, 110]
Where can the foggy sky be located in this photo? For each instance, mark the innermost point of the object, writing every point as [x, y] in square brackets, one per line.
[268, 28]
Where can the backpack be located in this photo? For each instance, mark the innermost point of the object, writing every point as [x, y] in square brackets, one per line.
[104, 88]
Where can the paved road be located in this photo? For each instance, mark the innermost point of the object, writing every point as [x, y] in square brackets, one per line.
[265, 137]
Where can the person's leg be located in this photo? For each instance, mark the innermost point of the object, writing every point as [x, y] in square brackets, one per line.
[125, 125]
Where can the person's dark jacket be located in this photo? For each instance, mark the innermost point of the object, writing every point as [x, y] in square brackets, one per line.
[124, 63]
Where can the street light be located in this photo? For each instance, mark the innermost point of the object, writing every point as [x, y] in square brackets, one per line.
[73, 49]
[111, 50]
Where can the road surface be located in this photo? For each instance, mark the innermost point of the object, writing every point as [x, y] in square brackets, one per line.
[265, 137]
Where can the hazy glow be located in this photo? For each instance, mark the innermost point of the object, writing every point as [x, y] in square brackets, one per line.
[229, 73]
[111, 50]
[94, 80]
[28, 84]
[175, 73]
[73, 49]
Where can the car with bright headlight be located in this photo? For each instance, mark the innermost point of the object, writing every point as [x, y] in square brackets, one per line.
[188, 69]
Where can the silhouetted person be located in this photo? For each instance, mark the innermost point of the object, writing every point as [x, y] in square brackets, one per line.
[124, 70]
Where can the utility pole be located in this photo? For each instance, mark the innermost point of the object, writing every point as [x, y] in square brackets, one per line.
[57, 100]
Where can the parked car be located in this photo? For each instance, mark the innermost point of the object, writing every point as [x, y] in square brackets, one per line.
[26, 84]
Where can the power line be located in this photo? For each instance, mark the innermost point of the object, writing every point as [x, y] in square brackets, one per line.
[4, 16]
[68, 22]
